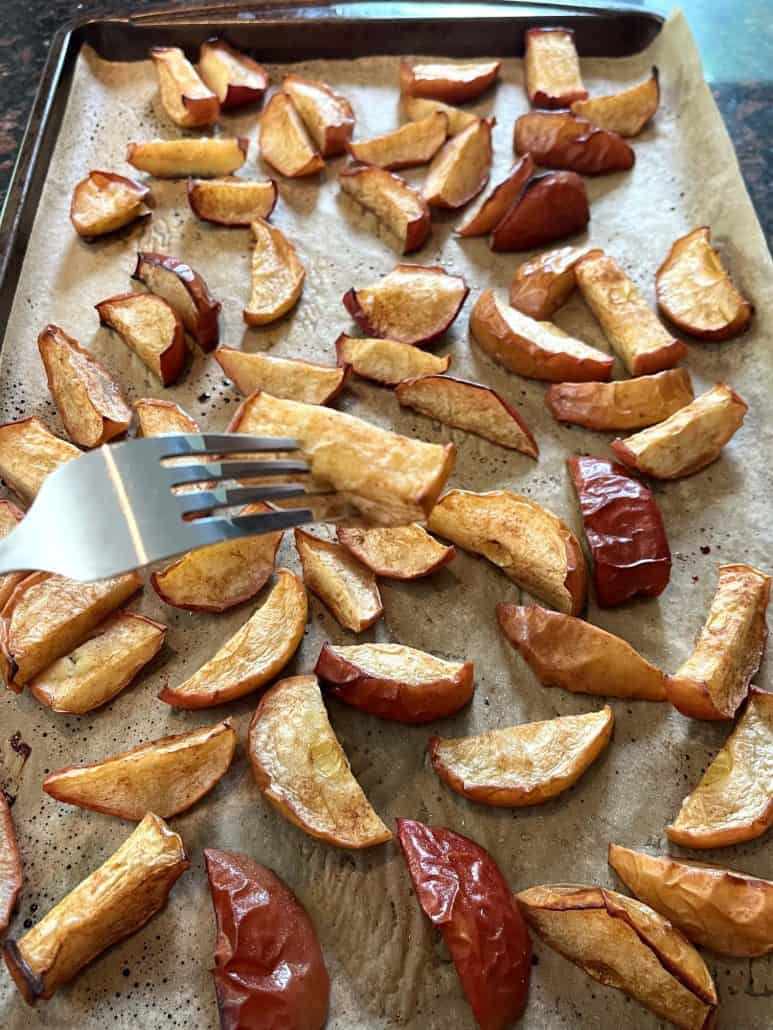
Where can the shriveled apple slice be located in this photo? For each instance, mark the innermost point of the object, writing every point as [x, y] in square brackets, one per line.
[623, 404]
[556, 139]
[416, 108]
[551, 207]
[118, 898]
[553, 78]
[157, 417]
[396, 552]
[231, 201]
[104, 202]
[233, 76]
[284, 142]
[461, 169]
[277, 275]
[626, 112]
[289, 378]
[301, 768]
[88, 399]
[396, 204]
[346, 587]
[723, 910]
[470, 406]
[328, 116]
[631, 327]
[10, 517]
[496, 205]
[102, 666]
[414, 143]
[164, 776]
[412, 303]
[184, 97]
[11, 877]
[715, 679]
[185, 290]
[527, 542]
[209, 157]
[536, 350]
[151, 327]
[577, 656]
[254, 655]
[28, 453]
[395, 682]
[388, 361]
[545, 283]
[622, 943]
[451, 82]
[688, 440]
[696, 293]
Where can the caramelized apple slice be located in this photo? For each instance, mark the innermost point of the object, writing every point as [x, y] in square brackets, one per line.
[396, 552]
[499, 201]
[185, 290]
[536, 350]
[151, 327]
[414, 143]
[346, 587]
[553, 78]
[387, 361]
[412, 303]
[451, 82]
[284, 142]
[209, 157]
[545, 283]
[289, 378]
[416, 108]
[687, 441]
[301, 768]
[695, 291]
[551, 207]
[233, 76]
[231, 201]
[277, 275]
[470, 406]
[461, 169]
[10, 517]
[157, 417]
[623, 404]
[527, 542]
[28, 453]
[522, 765]
[626, 112]
[328, 116]
[556, 139]
[104, 202]
[11, 877]
[184, 97]
[396, 204]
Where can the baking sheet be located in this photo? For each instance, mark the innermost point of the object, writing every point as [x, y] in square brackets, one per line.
[388, 967]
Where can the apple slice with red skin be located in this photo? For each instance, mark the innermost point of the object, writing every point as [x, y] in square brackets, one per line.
[231, 201]
[151, 327]
[11, 876]
[232, 76]
[414, 143]
[208, 157]
[184, 97]
[394, 202]
[552, 68]
[396, 552]
[276, 278]
[104, 202]
[625, 113]
[284, 142]
[328, 116]
[291, 378]
[388, 361]
[29, 451]
[624, 404]
[461, 169]
[551, 207]
[347, 588]
[462, 891]
[556, 139]
[545, 283]
[499, 201]
[453, 83]
[10, 517]
[185, 290]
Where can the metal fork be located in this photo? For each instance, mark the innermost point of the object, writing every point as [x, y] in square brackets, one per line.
[115, 509]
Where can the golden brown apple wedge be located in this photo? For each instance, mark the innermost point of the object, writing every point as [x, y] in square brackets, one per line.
[346, 587]
[715, 679]
[527, 542]
[552, 68]
[102, 666]
[28, 453]
[10, 517]
[470, 406]
[388, 361]
[453, 83]
[396, 552]
[551, 207]
[104, 202]
[156, 417]
[231, 75]
[734, 800]
[231, 201]
[185, 290]
[391, 479]
[301, 768]
[416, 108]
[414, 143]
[575, 655]
[11, 876]
[209, 157]
[536, 350]
[284, 142]
[412, 304]
[688, 440]
[277, 275]
[722, 910]
[625, 113]
[522, 765]
[496, 205]
[151, 327]
[623, 404]
[328, 116]
[117, 899]
[184, 97]
[556, 139]
[397, 205]
[165, 776]
[88, 399]
[629, 324]
[696, 293]
[254, 655]
[461, 169]
[290, 378]
[624, 944]
[545, 283]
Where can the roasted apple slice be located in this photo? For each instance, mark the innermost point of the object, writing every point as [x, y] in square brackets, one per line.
[416, 108]
[185, 290]
[151, 327]
[10, 517]
[388, 361]
[552, 68]
[551, 207]
[412, 304]
[102, 666]
[687, 441]
[461, 169]
[527, 542]
[301, 768]
[157, 417]
[723, 910]
[117, 899]
[328, 116]
[254, 655]
[269, 967]
[289, 378]
[396, 552]
[284, 142]
[470, 406]
[622, 943]
[396, 204]
[450, 82]
[209, 157]
[696, 293]
[184, 97]
[623, 404]
[625, 113]
[633, 330]
[414, 143]
[104, 202]
[536, 350]
[395, 682]
[499, 201]
[545, 283]
[522, 765]
[231, 201]
[625, 531]
[277, 275]
[88, 399]
[576, 655]
[346, 587]
[556, 139]
[11, 877]
[715, 679]
[461, 890]
[231, 75]
[28, 453]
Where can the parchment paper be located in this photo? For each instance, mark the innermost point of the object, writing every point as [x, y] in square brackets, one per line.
[388, 966]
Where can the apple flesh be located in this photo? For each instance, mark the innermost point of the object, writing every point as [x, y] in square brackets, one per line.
[556, 139]
[551, 207]
[185, 291]
[416, 108]
[104, 202]
[155, 417]
[552, 68]
[415, 143]
[284, 142]
[545, 283]
[151, 327]
[11, 876]
[28, 453]
[289, 378]
[388, 362]
[232, 76]
[461, 169]
[346, 587]
[328, 116]
[10, 517]
[499, 201]
[626, 112]
[623, 404]
[231, 201]
[396, 552]
[400, 208]
[209, 157]
[277, 275]
[453, 83]
[184, 97]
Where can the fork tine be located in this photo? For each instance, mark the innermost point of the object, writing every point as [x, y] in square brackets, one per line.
[202, 532]
[203, 500]
[220, 443]
[217, 471]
